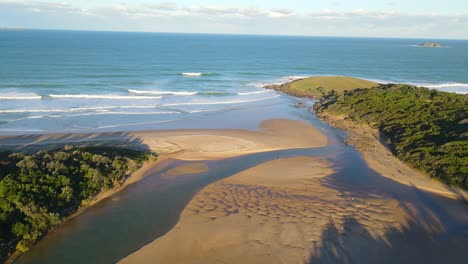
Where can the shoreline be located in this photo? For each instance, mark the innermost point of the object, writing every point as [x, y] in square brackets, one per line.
[136, 176]
[188, 144]
[378, 157]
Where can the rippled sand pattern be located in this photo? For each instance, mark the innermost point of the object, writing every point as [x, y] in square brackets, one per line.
[273, 213]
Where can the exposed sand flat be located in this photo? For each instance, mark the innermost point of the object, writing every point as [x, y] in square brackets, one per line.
[276, 212]
[189, 144]
[379, 158]
[187, 169]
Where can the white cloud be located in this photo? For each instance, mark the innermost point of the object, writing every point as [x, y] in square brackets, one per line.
[41, 6]
[169, 16]
[166, 8]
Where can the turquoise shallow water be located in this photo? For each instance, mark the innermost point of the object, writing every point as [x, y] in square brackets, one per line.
[57, 81]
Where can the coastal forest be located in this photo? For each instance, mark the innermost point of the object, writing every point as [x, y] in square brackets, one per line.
[39, 191]
[427, 129]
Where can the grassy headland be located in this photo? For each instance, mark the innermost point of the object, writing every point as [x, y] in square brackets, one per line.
[318, 87]
[425, 128]
[39, 191]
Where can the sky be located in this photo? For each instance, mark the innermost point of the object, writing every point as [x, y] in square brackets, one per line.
[432, 19]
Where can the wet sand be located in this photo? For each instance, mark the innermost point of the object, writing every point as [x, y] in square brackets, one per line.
[272, 213]
[186, 170]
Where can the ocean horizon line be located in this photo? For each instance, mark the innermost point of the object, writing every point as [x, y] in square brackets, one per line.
[10, 29]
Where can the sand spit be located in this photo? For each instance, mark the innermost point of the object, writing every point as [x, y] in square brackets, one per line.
[379, 158]
[273, 134]
[272, 213]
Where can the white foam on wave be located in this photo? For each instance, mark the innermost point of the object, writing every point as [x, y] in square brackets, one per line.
[257, 84]
[94, 128]
[20, 96]
[222, 102]
[451, 87]
[94, 96]
[203, 111]
[192, 74]
[255, 92]
[52, 110]
[287, 79]
[95, 114]
[296, 77]
[381, 81]
[161, 92]
[447, 85]
[77, 109]
[133, 124]
[122, 113]
[459, 88]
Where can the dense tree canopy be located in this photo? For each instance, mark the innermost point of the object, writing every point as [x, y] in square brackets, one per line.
[38, 191]
[426, 128]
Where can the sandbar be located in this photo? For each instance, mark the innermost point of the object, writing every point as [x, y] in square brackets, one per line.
[203, 144]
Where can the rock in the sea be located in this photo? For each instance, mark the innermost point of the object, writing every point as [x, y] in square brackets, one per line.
[430, 45]
[299, 105]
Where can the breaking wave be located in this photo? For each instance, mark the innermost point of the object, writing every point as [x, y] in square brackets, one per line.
[93, 96]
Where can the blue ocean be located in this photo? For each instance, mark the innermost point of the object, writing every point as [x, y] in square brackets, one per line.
[78, 81]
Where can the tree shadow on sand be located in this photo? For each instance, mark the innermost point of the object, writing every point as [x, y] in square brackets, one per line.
[353, 243]
[33, 143]
[435, 229]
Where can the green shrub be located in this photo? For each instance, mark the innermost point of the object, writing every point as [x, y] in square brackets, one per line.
[425, 128]
[38, 191]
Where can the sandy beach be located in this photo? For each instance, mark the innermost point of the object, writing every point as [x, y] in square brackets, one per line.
[257, 216]
[200, 144]
[281, 212]
[272, 134]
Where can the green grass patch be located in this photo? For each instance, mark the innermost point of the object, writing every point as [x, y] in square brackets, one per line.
[322, 86]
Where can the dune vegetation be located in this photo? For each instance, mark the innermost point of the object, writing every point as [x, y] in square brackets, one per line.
[39, 191]
[425, 128]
